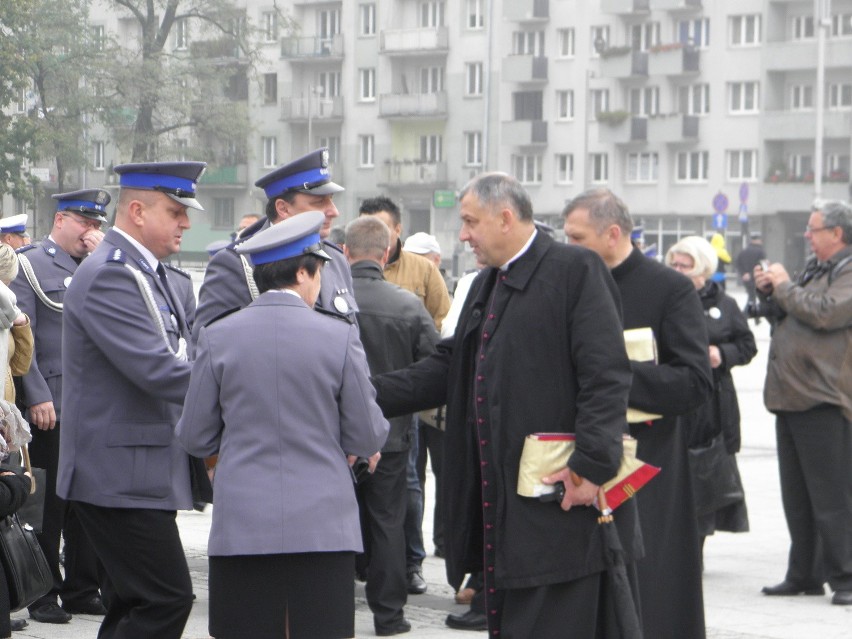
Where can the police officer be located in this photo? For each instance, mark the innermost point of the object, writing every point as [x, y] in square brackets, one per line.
[13, 231]
[302, 185]
[126, 373]
[46, 269]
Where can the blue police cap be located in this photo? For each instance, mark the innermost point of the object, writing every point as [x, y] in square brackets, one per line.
[90, 203]
[216, 246]
[636, 233]
[175, 179]
[308, 174]
[14, 224]
[294, 237]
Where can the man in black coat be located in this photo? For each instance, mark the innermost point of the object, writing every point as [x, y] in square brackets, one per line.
[538, 348]
[658, 297]
[396, 330]
[748, 258]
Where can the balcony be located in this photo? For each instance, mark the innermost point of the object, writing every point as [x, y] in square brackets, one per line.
[319, 109]
[674, 128]
[225, 49]
[413, 105]
[525, 68]
[312, 48]
[235, 175]
[677, 5]
[801, 125]
[629, 130]
[400, 42]
[313, 2]
[626, 64]
[413, 173]
[527, 10]
[525, 132]
[795, 196]
[673, 60]
[625, 7]
[799, 56]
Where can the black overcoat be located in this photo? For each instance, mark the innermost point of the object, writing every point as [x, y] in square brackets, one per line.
[555, 361]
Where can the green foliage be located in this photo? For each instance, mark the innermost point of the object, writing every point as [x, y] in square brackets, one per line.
[612, 118]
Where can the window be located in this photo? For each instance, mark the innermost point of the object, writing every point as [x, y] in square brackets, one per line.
[431, 148]
[600, 102]
[694, 99]
[600, 39]
[332, 143]
[527, 105]
[527, 168]
[368, 19]
[645, 101]
[432, 14]
[599, 165]
[645, 36]
[98, 37]
[328, 84]
[181, 145]
[802, 27]
[328, 23]
[473, 73]
[745, 30]
[642, 168]
[564, 168]
[367, 84]
[181, 31]
[836, 166]
[475, 14]
[223, 213]
[528, 43]
[565, 105]
[695, 31]
[801, 97]
[270, 88]
[98, 155]
[473, 148]
[800, 166]
[270, 153]
[841, 24]
[839, 96]
[742, 165]
[21, 100]
[565, 41]
[431, 79]
[366, 150]
[269, 21]
[692, 166]
[744, 97]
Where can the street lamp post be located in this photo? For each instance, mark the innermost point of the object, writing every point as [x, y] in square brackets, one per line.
[320, 91]
[822, 22]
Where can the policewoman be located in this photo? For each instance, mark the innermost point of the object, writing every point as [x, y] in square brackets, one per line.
[282, 394]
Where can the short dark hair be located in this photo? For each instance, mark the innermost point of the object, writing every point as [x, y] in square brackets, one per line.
[500, 189]
[374, 205]
[281, 273]
[604, 208]
[271, 213]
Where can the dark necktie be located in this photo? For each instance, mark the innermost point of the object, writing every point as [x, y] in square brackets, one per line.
[170, 297]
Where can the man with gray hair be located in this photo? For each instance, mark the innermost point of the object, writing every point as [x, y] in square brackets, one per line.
[657, 297]
[396, 330]
[809, 389]
[538, 348]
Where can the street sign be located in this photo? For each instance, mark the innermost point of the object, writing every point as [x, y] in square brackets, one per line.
[720, 221]
[43, 175]
[444, 199]
[744, 192]
[743, 212]
[720, 202]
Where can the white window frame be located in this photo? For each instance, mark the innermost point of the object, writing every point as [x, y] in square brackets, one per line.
[744, 30]
[432, 148]
[741, 165]
[270, 79]
[800, 164]
[599, 100]
[473, 79]
[697, 31]
[564, 105]
[366, 151]
[802, 28]
[473, 148]
[367, 19]
[599, 168]
[802, 97]
[642, 168]
[527, 168]
[475, 15]
[740, 94]
[21, 100]
[645, 101]
[269, 145]
[528, 43]
[328, 23]
[839, 96]
[693, 163]
[181, 145]
[564, 168]
[98, 155]
[566, 40]
[328, 83]
[598, 31]
[697, 98]
[841, 25]
[431, 79]
[98, 37]
[181, 34]
[367, 84]
[645, 35]
[836, 162]
[269, 20]
[431, 14]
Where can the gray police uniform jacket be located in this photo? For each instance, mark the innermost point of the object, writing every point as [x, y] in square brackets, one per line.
[282, 394]
[226, 285]
[123, 387]
[53, 269]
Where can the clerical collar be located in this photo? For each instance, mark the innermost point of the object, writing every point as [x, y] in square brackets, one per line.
[523, 250]
[153, 262]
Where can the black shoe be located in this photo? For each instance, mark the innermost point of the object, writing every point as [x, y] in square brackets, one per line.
[93, 606]
[842, 598]
[468, 621]
[416, 583]
[788, 589]
[400, 627]
[18, 624]
[439, 552]
[50, 613]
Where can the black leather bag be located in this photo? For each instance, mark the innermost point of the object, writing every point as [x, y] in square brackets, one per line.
[716, 480]
[32, 512]
[27, 572]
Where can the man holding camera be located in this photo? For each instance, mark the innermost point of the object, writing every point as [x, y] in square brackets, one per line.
[809, 389]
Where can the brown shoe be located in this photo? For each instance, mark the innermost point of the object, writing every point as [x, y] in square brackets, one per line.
[465, 596]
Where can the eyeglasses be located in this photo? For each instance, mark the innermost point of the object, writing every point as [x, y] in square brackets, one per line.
[812, 230]
[681, 266]
[85, 223]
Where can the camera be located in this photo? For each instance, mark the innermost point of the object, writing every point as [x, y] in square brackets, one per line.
[361, 469]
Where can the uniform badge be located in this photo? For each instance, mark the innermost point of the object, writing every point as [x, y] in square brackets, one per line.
[324, 159]
[714, 313]
[341, 304]
[66, 281]
[102, 198]
[51, 251]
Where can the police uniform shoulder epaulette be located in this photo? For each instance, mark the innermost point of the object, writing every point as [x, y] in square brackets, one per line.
[26, 248]
[332, 245]
[178, 270]
[223, 315]
[117, 255]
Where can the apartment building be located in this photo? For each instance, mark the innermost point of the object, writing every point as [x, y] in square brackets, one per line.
[684, 108]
